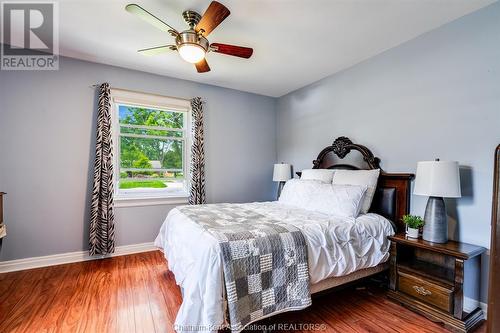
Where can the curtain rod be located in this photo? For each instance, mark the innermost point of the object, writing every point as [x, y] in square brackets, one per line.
[93, 86]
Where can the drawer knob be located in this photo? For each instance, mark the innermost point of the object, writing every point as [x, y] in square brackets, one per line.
[422, 291]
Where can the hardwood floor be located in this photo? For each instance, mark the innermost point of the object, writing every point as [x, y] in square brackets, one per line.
[136, 293]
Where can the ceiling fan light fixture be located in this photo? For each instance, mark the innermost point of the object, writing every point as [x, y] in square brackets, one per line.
[192, 43]
[192, 53]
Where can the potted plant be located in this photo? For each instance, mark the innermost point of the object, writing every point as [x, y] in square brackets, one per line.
[413, 223]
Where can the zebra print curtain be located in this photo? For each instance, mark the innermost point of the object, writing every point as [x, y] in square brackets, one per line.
[102, 228]
[197, 168]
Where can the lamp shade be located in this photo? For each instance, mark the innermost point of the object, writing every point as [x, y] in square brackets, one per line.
[438, 179]
[282, 172]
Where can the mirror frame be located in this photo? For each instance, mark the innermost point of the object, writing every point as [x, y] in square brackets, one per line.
[493, 322]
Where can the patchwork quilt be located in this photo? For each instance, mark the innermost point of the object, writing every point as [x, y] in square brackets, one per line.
[264, 261]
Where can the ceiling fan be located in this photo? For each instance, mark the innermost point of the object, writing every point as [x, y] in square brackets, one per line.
[192, 44]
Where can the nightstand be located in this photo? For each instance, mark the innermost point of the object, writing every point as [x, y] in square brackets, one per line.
[428, 278]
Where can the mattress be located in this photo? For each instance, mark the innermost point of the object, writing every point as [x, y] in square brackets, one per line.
[337, 246]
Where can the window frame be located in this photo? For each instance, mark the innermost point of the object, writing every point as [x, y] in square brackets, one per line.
[124, 198]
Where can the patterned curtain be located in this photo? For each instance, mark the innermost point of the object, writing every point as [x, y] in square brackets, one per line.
[102, 228]
[197, 190]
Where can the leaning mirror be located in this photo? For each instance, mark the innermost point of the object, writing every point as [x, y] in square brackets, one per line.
[494, 283]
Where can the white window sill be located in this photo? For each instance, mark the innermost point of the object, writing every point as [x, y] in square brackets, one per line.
[138, 201]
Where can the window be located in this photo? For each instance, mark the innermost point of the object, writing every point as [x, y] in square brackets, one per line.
[152, 144]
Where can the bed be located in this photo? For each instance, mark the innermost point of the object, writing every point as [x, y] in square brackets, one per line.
[339, 250]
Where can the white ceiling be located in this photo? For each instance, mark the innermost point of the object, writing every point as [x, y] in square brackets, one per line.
[295, 42]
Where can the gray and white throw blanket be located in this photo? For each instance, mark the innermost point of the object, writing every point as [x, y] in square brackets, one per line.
[265, 261]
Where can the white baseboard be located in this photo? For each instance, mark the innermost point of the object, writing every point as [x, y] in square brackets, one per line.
[470, 304]
[70, 257]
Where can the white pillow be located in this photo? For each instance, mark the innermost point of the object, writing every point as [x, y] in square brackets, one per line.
[324, 175]
[314, 195]
[366, 178]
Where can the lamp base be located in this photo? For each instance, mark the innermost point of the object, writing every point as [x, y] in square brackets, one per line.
[436, 221]
[280, 188]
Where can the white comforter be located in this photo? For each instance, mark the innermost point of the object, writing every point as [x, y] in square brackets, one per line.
[336, 247]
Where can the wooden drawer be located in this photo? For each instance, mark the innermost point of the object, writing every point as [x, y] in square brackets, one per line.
[426, 291]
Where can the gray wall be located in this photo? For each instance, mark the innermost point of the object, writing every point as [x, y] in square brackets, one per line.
[47, 136]
[435, 96]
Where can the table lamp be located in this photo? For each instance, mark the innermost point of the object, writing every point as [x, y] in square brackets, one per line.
[282, 172]
[437, 180]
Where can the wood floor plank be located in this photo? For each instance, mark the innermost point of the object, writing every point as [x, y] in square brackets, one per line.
[157, 302]
[144, 322]
[13, 295]
[169, 291]
[124, 301]
[137, 293]
[103, 298]
[73, 308]
[46, 289]
[34, 286]
[62, 300]
[88, 315]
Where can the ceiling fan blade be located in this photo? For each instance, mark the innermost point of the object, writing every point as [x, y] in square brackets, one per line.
[214, 15]
[150, 18]
[202, 66]
[237, 51]
[157, 50]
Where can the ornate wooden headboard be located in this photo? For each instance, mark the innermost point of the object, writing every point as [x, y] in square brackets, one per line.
[392, 197]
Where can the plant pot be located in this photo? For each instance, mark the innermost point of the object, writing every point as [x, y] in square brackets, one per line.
[412, 233]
